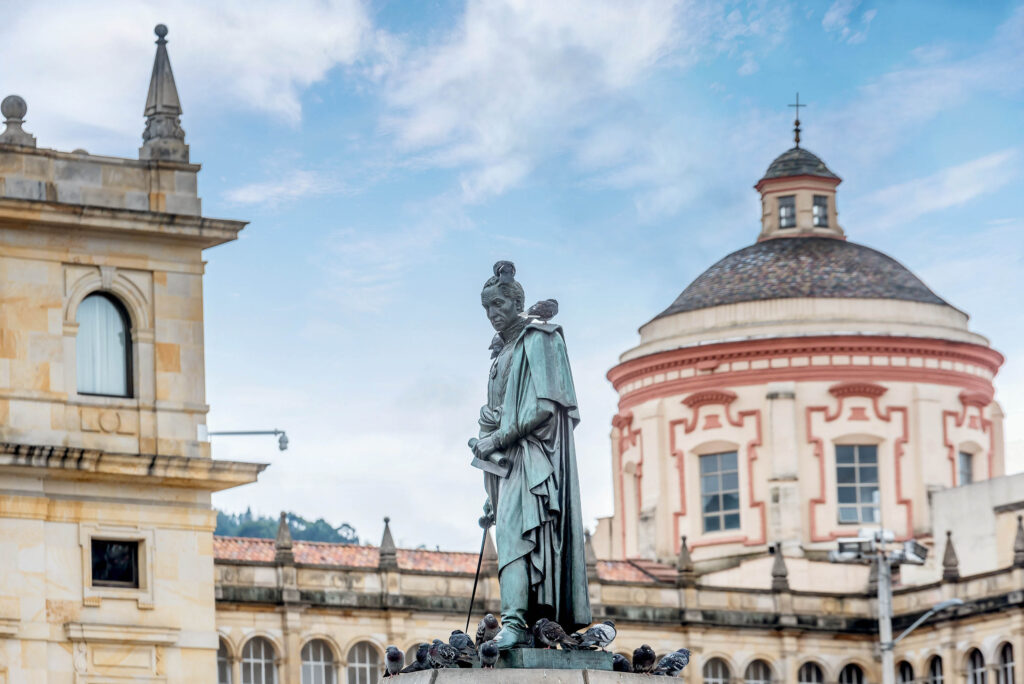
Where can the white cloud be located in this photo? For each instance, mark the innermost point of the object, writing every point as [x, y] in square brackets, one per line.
[837, 20]
[293, 185]
[84, 67]
[950, 187]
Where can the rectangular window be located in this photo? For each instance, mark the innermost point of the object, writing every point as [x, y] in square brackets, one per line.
[857, 483]
[720, 491]
[965, 469]
[820, 211]
[787, 211]
[115, 563]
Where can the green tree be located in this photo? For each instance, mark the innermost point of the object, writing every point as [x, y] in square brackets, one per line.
[265, 527]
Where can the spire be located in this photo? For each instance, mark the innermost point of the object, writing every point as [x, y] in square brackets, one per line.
[283, 544]
[590, 555]
[1018, 545]
[388, 553]
[686, 574]
[489, 564]
[796, 123]
[163, 138]
[14, 109]
[780, 575]
[950, 563]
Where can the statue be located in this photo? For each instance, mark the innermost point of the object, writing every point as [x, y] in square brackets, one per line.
[526, 450]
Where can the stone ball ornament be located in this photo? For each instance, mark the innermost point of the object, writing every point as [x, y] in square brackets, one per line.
[160, 30]
[14, 107]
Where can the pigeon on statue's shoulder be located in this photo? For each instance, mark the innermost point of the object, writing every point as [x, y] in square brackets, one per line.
[545, 310]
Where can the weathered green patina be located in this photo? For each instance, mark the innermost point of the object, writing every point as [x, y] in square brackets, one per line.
[530, 415]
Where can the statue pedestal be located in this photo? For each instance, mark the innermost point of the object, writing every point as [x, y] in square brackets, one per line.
[517, 676]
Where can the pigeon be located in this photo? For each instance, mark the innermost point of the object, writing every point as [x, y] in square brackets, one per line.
[672, 664]
[487, 629]
[442, 655]
[620, 663]
[550, 634]
[643, 659]
[545, 310]
[578, 639]
[488, 654]
[422, 661]
[394, 661]
[462, 643]
[599, 635]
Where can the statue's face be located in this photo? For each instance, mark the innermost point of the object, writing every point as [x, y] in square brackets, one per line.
[501, 310]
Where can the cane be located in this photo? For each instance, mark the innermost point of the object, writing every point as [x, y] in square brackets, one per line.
[485, 522]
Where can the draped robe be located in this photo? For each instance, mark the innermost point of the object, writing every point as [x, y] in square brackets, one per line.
[532, 408]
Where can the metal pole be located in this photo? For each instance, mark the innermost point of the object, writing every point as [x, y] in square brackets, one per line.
[479, 562]
[885, 615]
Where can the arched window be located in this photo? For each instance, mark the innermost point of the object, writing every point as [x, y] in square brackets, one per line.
[810, 673]
[364, 665]
[317, 663]
[716, 671]
[935, 670]
[976, 667]
[758, 672]
[103, 347]
[1005, 672]
[851, 674]
[223, 664]
[906, 672]
[258, 662]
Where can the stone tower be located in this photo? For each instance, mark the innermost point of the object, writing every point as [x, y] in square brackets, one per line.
[106, 549]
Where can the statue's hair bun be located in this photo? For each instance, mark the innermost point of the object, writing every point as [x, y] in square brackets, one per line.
[505, 271]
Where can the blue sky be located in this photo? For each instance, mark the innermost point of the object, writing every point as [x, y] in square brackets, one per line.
[388, 153]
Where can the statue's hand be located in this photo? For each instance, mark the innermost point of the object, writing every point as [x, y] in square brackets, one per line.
[487, 519]
[484, 448]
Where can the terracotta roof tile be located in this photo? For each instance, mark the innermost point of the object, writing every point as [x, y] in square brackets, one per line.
[622, 571]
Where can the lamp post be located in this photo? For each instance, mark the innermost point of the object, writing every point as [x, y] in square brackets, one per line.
[282, 438]
[872, 546]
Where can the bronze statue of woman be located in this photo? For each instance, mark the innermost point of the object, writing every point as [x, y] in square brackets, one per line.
[529, 417]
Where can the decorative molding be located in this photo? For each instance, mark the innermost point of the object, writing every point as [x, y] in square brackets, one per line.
[719, 396]
[142, 594]
[9, 626]
[857, 389]
[120, 634]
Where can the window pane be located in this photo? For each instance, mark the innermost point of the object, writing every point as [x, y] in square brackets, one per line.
[846, 475]
[711, 503]
[115, 563]
[847, 514]
[101, 347]
[712, 523]
[709, 463]
[867, 495]
[847, 495]
[844, 454]
[867, 453]
[731, 501]
[709, 484]
[732, 521]
[869, 514]
[730, 481]
[728, 461]
[869, 474]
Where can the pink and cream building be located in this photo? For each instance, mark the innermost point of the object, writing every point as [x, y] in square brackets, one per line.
[799, 389]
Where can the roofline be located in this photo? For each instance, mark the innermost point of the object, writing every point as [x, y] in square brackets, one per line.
[833, 179]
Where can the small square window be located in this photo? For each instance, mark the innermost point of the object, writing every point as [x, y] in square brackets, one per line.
[115, 563]
[820, 209]
[787, 211]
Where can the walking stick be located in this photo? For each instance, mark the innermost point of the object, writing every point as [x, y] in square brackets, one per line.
[484, 523]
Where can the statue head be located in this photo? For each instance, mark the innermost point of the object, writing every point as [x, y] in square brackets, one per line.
[502, 297]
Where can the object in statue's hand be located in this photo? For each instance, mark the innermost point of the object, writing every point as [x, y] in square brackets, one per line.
[674, 663]
[489, 626]
[495, 463]
[599, 635]
[620, 663]
[422, 661]
[442, 655]
[394, 660]
[643, 659]
[550, 634]
[463, 643]
[545, 310]
[488, 654]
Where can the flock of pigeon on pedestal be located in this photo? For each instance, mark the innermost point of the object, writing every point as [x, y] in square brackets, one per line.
[461, 649]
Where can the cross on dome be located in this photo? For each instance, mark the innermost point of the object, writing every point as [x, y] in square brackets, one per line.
[796, 123]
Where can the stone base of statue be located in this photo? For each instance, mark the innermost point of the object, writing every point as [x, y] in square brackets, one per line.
[529, 665]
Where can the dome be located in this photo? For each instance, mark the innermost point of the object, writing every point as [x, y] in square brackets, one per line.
[802, 267]
[798, 162]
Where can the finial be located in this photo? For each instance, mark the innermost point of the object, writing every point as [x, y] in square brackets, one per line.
[686, 575]
[283, 553]
[780, 574]
[163, 138]
[796, 123]
[950, 562]
[1018, 544]
[388, 552]
[14, 109]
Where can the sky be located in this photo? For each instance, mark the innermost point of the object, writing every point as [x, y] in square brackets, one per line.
[386, 154]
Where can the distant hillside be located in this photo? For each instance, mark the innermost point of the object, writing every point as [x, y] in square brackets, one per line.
[247, 525]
